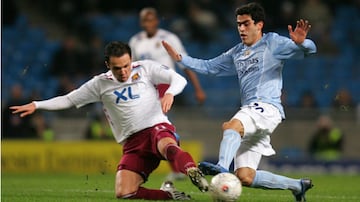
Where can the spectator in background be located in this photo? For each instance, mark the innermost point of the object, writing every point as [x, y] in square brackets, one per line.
[286, 15]
[12, 125]
[98, 129]
[72, 65]
[42, 127]
[40, 122]
[307, 100]
[203, 23]
[94, 55]
[308, 106]
[68, 65]
[147, 45]
[327, 141]
[319, 13]
[343, 101]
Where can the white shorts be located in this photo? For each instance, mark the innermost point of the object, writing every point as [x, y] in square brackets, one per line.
[259, 121]
[247, 158]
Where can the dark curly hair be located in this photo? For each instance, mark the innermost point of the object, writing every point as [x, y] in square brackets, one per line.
[117, 49]
[255, 10]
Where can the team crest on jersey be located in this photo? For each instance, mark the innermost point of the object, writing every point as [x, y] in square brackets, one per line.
[135, 77]
[246, 52]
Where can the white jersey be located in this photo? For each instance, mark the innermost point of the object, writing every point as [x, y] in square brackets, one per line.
[144, 47]
[133, 105]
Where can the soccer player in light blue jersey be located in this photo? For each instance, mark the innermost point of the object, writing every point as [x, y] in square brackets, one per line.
[257, 61]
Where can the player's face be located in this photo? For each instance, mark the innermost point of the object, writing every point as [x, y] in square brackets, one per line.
[149, 23]
[249, 32]
[120, 67]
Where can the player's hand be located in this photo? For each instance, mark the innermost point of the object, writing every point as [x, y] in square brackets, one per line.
[24, 110]
[200, 96]
[171, 51]
[166, 102]
[299, 34]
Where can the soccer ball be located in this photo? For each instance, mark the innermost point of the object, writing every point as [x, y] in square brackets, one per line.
[225, 187]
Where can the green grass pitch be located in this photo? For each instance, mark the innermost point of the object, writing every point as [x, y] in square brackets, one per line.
[100, 187]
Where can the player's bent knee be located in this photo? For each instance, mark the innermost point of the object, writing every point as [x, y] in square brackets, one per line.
[118, 195]
[121, 193]
[225, 125]
[125, 190]
[246, 176]
[234, 124]
[246, 180]
[127, 183]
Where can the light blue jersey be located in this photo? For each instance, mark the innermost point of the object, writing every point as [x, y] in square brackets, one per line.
[258, 67]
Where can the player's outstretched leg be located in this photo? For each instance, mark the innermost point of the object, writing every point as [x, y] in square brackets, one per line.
[267, 180]
[211, 169]
[197, 178]
[169, 187]
[306, 184]
[182, 161]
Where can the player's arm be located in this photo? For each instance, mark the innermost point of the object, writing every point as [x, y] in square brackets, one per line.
[221, 65]
[132, 44]
[297, 47]
[177, 84]
[161, 74]
[56, 103]
[199, 92]
[87, 93]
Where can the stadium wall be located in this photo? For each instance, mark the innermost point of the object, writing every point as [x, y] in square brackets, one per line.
[71, 156]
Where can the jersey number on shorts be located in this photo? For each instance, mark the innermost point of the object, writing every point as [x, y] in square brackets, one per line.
[125, 94]
[256, 105]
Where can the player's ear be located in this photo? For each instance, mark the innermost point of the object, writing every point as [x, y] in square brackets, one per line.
[260, 24]
[107, 64]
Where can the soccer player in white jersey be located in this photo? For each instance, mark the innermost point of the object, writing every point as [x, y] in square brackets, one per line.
[147, 45]
[137, 118]
[257, 62]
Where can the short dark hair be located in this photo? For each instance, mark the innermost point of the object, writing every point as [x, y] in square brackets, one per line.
[117, 49]
[255, 10]
[148, 10]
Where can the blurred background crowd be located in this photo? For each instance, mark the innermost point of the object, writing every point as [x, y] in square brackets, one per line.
[51, 47]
